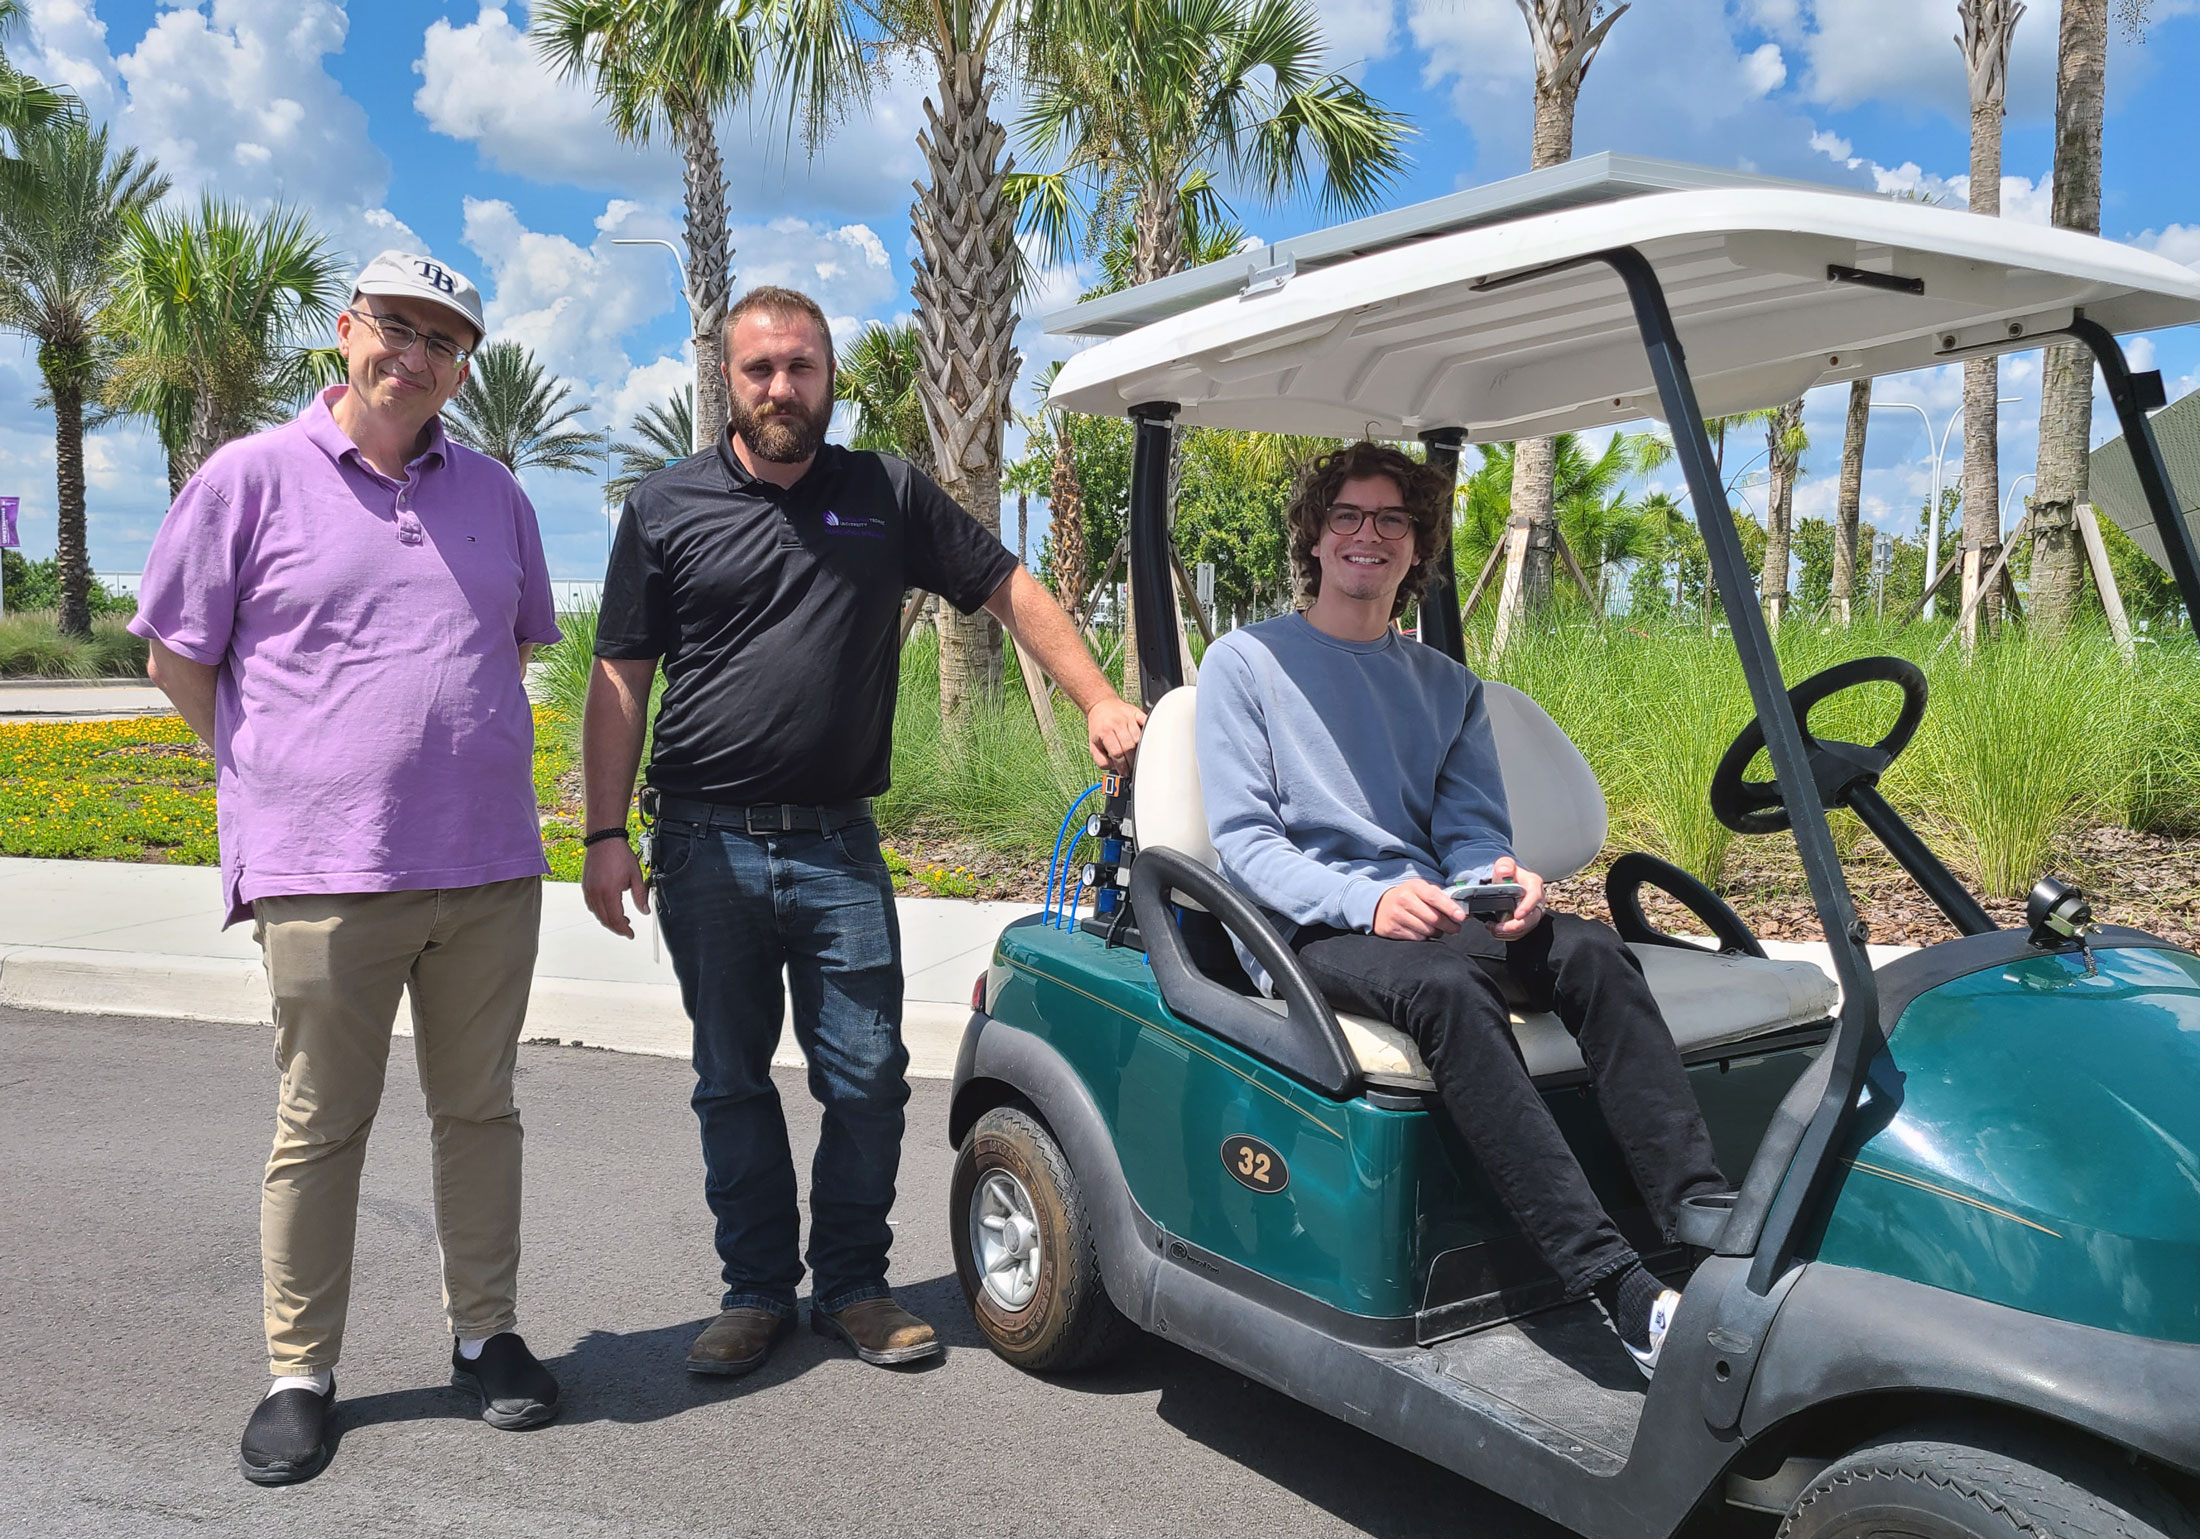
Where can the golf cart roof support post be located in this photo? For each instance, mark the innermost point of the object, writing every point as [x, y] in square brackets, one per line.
[2146, 458]
[1858, 1037]
[1440, 624]
[1152, 585]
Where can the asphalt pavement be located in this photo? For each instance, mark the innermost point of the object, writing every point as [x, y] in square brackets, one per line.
[130, 1350]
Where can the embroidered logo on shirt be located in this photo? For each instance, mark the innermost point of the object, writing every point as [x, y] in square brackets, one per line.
[873, 527]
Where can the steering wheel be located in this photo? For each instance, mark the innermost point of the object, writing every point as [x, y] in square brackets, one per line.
[1623, 895]
[1753, 806]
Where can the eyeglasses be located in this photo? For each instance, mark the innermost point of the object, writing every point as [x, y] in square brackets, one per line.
[399, 338]
[1391, 523]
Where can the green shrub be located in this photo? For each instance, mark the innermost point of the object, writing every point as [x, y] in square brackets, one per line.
[35, 585]
[32, 647]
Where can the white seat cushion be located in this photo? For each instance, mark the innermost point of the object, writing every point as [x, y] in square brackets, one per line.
[1708, 1001]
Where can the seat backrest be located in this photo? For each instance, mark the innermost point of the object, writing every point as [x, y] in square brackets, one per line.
[1557, 806]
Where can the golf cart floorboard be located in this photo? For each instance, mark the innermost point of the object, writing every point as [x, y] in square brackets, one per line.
[1560, 1377]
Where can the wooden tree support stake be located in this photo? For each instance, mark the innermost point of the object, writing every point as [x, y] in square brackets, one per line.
[1042, 702]
[2104, 579]
[1190, 591]
[1482, 583]
[1997, 573]
[910, 613]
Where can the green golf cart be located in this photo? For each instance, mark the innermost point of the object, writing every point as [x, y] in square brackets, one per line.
[1958, 1289]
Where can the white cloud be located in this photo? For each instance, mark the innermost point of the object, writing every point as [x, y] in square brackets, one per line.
[2022, 199]
[234, 100]
[483, 84]
[1356, 32]
[1671, 81]
[1765, 70]
[2178, 242]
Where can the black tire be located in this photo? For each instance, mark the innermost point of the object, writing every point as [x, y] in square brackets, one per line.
[1972, 1480]
[1068, 1321]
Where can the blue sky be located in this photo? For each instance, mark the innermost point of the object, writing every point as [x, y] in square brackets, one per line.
[428, 125]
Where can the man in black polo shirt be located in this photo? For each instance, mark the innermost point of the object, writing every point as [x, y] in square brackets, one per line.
[768, 573]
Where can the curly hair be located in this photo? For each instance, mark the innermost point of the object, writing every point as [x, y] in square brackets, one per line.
[1420, 488]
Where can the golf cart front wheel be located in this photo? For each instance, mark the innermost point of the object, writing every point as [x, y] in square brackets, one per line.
[1977, 1482]
[1024, 1249]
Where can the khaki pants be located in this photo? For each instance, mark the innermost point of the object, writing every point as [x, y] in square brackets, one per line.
[336, 965]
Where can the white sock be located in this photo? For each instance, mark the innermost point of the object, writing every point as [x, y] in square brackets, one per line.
[469, 1347]
[317, 1382]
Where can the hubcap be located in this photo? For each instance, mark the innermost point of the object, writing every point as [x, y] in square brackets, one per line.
[1004, 1240]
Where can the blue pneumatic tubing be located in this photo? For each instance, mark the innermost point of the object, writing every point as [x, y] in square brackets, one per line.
[1055, 863]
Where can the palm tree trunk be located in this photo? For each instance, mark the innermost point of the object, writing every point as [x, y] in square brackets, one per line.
[1986, 26]
[709, 269]
[965, 291]
[1066, 518]
[2066, 386]
[1157, 224]
[1779, 510]
[1848, 507]
[205, 437]
[70, 554]
[1559, 32]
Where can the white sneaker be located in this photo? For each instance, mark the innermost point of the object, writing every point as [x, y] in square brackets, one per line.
[1661, 1321]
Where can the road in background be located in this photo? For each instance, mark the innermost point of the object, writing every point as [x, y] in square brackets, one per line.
[130, 1292]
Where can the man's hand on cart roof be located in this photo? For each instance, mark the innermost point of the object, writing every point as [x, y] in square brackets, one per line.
[1029, 613]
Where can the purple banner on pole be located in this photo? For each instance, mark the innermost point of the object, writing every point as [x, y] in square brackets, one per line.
[8, 540]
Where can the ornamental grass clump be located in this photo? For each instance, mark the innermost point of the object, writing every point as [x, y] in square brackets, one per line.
[2023, 746]
[32, 647]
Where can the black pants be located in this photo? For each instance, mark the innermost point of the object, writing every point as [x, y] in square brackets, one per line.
[1450, 995]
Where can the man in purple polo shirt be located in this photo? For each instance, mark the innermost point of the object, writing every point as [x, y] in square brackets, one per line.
[343, 607]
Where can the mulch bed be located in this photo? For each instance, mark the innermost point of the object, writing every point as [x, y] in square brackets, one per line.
[2142, 880]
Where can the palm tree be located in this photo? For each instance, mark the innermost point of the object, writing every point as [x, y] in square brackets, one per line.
[1142, 105]
[1848, 506]
[212, 306]
[664, 434]
[26, 106]
[1987, 27]
[878, 377]
[1565, 35]
[61, 219]
[671, 67]
[1207, 238]
[510, 412]
[1785, 442]
[2066, 377]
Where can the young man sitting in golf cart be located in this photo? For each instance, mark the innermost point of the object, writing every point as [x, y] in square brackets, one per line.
[1351, 778]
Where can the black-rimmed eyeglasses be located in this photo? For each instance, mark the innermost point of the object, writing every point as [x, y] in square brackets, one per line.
[399, 337]
[1392, 523]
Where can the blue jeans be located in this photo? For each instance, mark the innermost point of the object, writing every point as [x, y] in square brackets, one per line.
[736, 909]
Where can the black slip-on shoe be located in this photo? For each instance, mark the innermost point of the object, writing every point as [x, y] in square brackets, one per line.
[516, 1391]
[286, 1440]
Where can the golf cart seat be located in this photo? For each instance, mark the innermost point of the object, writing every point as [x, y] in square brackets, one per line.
[1559, 822]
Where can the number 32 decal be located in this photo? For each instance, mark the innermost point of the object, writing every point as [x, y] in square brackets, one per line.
[1254, 1164]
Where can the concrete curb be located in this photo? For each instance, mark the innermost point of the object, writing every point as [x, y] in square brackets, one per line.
[573, 1012]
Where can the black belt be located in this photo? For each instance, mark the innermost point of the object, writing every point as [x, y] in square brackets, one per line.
[763, 818]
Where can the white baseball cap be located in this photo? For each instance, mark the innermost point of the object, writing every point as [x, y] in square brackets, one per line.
[404, 275]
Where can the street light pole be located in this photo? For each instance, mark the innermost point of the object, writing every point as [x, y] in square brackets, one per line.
[696, 441]
[1940, 450]
[2010, 496]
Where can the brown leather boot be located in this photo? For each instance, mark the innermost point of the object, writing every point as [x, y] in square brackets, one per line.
[880, 1330]
[738, 1342]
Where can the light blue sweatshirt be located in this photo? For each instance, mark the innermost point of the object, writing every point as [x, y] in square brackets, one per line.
[1333, 769]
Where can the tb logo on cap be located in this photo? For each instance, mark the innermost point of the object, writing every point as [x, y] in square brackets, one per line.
[434, 273]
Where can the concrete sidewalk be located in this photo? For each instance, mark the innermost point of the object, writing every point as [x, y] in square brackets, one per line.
[118, 939]
[79, 699]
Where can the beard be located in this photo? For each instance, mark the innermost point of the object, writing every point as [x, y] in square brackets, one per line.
[785, 435]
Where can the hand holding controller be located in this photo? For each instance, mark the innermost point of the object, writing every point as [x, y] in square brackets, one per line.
[1487, 900]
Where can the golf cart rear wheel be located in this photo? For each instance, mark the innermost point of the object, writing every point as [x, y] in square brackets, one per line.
[1976, 1481]
[1024, 1248]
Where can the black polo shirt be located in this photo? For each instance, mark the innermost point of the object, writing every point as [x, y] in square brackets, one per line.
[776, 612]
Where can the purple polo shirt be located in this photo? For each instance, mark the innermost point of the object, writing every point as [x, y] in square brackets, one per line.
[371, 731]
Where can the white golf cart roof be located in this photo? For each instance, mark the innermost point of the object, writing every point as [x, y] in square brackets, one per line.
[1774, 288]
